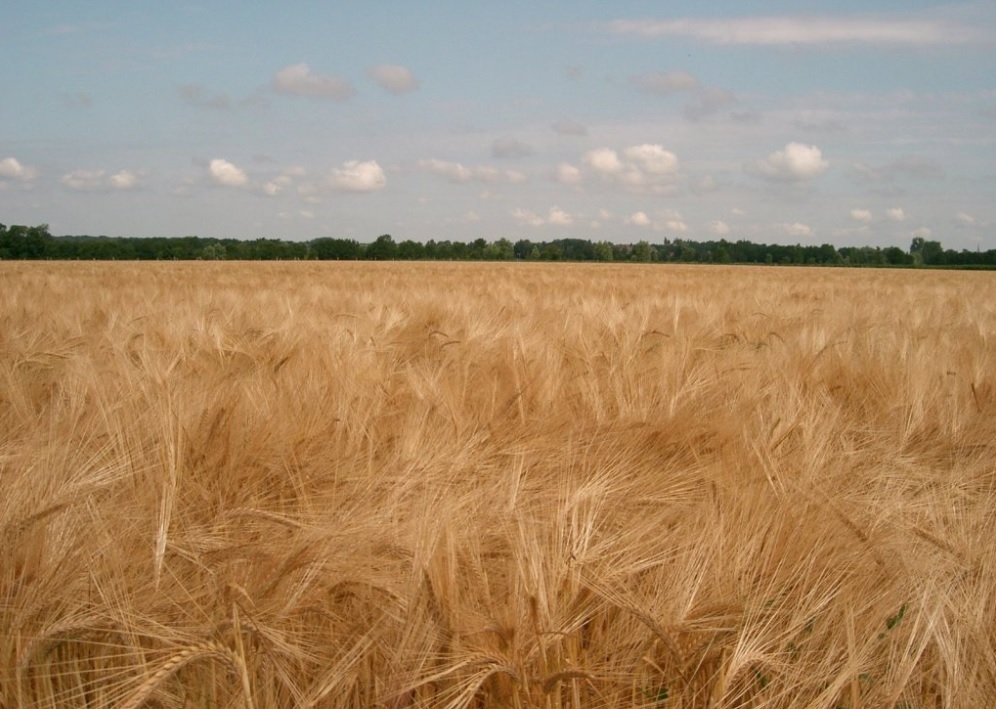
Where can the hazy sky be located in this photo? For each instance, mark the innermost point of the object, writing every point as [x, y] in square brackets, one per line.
[773, 121]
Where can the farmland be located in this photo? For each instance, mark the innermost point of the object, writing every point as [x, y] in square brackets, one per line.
[496, 485]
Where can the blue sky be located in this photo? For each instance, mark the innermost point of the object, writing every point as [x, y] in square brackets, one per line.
[774, 121]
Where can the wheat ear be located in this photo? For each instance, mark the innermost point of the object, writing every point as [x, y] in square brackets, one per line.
[183, 657]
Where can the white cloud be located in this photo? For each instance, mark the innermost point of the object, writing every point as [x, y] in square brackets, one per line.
[124, 180]
[524, 216]
[458, 173]
[964, 219]
[559, 217]
[99, 181]
[357, 176]
[84, 180]
[276, 185]
[297, 80]
[568, 127]
[653, 159]
[638, 219]
[567, 174]
[795, 163]
[645, 167]
[664, 83]
[861, 215]
[719, 227]
[896, 214]
[12, 169]
[510, 148]
[227, 174]
[393, 77]
[797, 229]
[452, 171]
[923, 232]
[796, 31]
[604, 160]
[555, 217]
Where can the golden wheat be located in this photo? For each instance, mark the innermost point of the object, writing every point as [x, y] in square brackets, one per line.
[509, 485]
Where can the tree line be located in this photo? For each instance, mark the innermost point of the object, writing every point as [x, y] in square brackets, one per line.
[35, 242]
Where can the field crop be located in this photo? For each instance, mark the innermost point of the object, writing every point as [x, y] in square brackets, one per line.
[514, 485]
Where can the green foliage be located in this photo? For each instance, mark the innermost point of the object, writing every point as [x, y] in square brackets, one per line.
[23, 242]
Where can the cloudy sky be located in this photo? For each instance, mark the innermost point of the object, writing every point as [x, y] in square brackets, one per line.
[774, 121]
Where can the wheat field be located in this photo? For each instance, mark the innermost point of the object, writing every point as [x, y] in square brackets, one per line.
[507, 485]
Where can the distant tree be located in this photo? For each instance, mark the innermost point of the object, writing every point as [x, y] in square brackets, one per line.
[476, 249]
[552, 252]
[409, 250]
[214, 252]
[932, 253]
[641, 251]
[326, 249]
[926, 252]
[382, 249]
[895, 256]
[501, 250]
[603, 251]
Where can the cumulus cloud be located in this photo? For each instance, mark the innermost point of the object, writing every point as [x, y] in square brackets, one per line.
[458, 173]
[799, 31]
[964, 219]
[640, 168]
[568, 174]
[525, 216]
[393, 78]
[719, 227]
[124, 180]
[795, 163]
[297, 80]
[861, 215]
[796, 229]
[664, 220]
[13, 169]
[99, 181]
[277, 185]
[510, 148]
[558, 217]
[664, 83]
[555, 217]
[604, 160]
[568, 127]
[227, 174]
[895, 214]
[357, 176]
[653, 159]
[452, 171]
